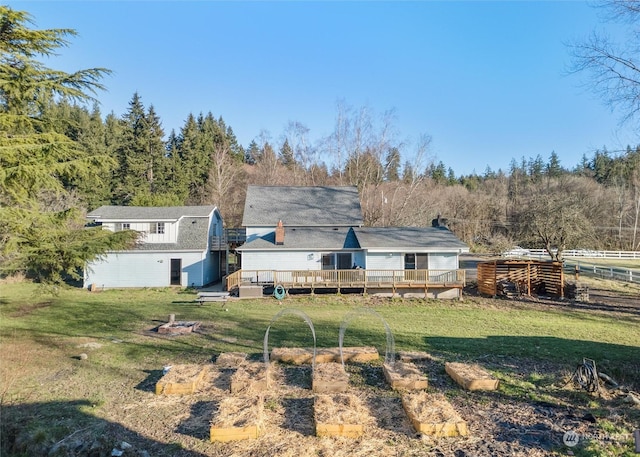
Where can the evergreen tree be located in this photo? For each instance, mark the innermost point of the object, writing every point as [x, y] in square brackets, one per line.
[408, 174]
[392, 165]
[584, 167]
[286, 155]
[553, 168]
[451, 177]
[194, 160]
[437, 172]
[252, 154]
[536, 168]
[47, 241]
[601, 166]
[141, 154]
[489, 173]
[176, 182]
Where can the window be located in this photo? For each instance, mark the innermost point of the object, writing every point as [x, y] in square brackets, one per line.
[422, 262]
[123, 226]
[344, 260]
[157, 228]
[328, 262]
[416, 261]
[409, 261]
[337, 261]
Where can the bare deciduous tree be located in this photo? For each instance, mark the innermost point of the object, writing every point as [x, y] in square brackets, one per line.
[224, 175]
[556, 216]
[614, 68]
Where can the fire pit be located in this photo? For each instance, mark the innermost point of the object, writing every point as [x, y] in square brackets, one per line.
[174, 327]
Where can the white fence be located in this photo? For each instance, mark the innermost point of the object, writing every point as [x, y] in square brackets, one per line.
[542, 254]
[574, 260]
[600, 271]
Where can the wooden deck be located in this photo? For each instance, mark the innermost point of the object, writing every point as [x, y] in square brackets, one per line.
[421, 280]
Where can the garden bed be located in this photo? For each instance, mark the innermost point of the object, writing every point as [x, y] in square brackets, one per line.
[237, 418]
[471, 377]
[300, 356]
[181, 380]
[330, 378]
[339, 415]
[250, 377]
[432, 414]
[404, 376]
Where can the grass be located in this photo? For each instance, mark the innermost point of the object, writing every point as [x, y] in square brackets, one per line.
[460, 329]
[621, 263]
[463, 330]
[43, 335]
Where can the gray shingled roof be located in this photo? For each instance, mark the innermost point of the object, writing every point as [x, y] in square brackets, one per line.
[150, 213]
[302, 206]
[306, 238]
[193, 229]
[399, 238]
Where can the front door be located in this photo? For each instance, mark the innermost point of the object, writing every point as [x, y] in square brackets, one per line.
[176, 272]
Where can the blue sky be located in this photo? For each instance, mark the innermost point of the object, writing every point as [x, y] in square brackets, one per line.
[487, 81]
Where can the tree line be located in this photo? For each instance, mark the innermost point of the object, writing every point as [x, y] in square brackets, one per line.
[596, 202]
[59, 157]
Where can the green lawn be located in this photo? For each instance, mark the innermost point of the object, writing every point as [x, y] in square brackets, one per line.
[458, 330]
[530, 347]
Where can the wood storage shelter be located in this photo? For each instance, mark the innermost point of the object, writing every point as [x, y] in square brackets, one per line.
[530, 276]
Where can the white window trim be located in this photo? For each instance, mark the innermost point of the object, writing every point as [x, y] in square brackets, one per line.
[157, 228]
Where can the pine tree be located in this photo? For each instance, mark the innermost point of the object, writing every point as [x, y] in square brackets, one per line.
[553, 168]
[286, 155]
[252, 154]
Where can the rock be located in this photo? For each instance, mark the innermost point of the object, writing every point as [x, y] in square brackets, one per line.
[124, 446]
[83, 356]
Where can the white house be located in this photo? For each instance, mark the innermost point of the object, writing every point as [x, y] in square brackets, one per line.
[175, 247]
[299, 229]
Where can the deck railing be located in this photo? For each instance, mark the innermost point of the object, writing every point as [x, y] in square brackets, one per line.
[348, 278]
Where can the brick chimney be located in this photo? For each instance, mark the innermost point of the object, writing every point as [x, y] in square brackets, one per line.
[279, 234]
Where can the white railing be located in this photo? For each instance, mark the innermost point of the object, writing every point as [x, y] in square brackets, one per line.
[348, 278]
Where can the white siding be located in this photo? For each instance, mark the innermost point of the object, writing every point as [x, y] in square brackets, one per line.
[443, 261]
[385, 261]
[170, 234]
[282, 260]
[145, 269]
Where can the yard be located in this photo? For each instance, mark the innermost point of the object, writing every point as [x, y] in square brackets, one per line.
[79, 370]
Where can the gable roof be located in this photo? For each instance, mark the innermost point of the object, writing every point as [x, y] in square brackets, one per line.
[193, 234]
[374, 239]
[298, 206]
[148, 213]
[406, 239]
[193, 223]
[322, 238]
